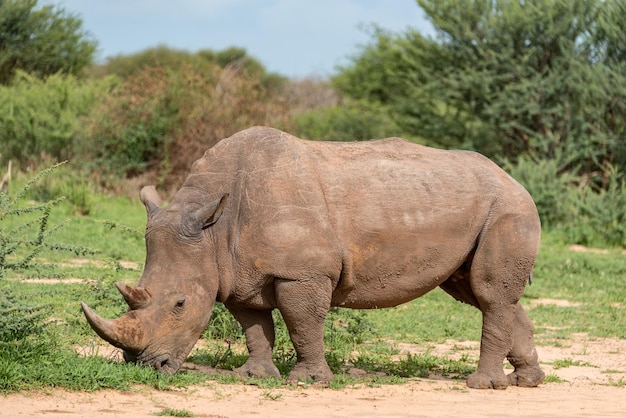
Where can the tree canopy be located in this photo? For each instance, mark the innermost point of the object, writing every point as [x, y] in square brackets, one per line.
[507, 78]
[232, 59]
[41, 41]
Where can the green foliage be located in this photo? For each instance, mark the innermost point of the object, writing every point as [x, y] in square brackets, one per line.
[601, 219]
[23, 240]
[41, 40]
[506, 78]
[125, 66]
[162, 119]
[553, 378]
[135, 126]
[19, 319]
[555, 191]
[236, 58]
[434, 317]
[350, 121]
[43, 118]
[232, 58]
[132, 128]
[580, 210]
[222, 325]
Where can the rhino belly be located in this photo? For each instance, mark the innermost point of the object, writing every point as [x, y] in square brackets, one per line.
[386, 280]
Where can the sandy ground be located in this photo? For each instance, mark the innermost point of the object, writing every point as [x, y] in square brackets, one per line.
[594, 384]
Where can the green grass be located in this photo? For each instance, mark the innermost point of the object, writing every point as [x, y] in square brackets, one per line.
[592, 284]
[568, 362]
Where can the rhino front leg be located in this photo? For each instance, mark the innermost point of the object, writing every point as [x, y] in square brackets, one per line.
[304, 305]
[258, 327]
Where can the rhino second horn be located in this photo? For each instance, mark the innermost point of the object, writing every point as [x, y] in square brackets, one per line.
[135, 297]
[114, 332]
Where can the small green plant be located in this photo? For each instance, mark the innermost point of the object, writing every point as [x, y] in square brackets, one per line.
[170, 412]
[552, 378]
[568, 362]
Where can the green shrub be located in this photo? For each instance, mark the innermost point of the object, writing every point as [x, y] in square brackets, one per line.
[580, 211]
[19, 319]
[351, 121]
[162, 119]
[42, 118]
[601, 218]
[554, 190]
[203, 61]
[130, 128]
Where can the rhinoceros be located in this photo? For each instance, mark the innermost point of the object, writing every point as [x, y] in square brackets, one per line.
[265, 221]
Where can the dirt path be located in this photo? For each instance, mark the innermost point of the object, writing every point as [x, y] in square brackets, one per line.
[593, 374]
[414, 399]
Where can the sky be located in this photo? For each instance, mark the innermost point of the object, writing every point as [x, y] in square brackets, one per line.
[295, 38]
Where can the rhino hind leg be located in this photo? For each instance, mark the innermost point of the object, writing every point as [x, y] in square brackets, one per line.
[304, 305]
[493, 281]
[523, 355]
[258, 327]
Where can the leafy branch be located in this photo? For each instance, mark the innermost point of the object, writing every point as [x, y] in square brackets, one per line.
[18, 248]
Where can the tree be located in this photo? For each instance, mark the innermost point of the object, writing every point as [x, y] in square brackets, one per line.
[233, 60]
[41, 41]
[508, 78]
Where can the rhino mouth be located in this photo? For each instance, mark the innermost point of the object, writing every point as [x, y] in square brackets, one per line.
[163, 363]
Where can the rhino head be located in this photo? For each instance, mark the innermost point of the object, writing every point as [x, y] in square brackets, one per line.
[172, 303]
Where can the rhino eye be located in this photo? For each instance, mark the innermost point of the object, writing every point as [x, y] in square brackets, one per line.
[180, 303]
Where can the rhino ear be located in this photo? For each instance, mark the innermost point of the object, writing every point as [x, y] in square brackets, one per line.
[150, 199]
[208, 215]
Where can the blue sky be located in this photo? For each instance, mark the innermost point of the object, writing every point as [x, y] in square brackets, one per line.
[296, 38]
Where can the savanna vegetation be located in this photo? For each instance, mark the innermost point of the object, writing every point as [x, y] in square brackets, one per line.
[539, 87]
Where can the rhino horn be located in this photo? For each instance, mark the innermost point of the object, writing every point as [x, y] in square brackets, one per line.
[150, 199]
[123, 332]
[135, 297]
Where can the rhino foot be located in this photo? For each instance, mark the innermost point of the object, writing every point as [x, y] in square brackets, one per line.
[304, 372]
[258, 369]
[480, 380]
[530, 377]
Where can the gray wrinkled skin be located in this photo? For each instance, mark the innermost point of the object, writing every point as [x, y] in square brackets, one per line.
[268, 221]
